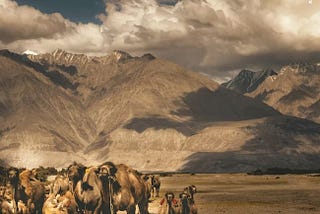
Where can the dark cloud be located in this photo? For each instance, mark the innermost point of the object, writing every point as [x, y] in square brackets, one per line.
[167, 2]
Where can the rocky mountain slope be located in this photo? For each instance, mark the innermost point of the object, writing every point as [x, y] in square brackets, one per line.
[146, 112]
[247, 81]
[37, 117]
[295, 91]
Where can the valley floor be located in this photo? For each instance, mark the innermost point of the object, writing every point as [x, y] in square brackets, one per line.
[240, 193]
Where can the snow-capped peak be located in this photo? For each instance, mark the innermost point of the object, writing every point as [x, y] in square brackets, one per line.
[29, 52]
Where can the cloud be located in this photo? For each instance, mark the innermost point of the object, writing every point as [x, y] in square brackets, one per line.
[24, 27]
[23, 22]
[212, 36]
[217, 36]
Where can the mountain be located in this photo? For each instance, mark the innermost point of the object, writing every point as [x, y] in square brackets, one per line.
[247, 81]
[295, 91]
[146, 112]
[38, 119]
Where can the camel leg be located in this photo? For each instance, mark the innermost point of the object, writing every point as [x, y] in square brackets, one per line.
[143, 207]
[131, 210]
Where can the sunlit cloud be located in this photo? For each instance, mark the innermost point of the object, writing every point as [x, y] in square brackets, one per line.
[212, 36]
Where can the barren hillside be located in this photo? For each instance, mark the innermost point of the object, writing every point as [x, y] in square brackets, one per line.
[37, 116]
[295, 91]
[146, 112]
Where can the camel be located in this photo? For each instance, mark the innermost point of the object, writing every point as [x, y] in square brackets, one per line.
[88, 192]
[169, 205]
[65, 204]
[187, 205]
[15, 187]
[146, 179]
[153, 184]
[123, 189]
[75, 174]
[26, 190]
[191, 190]
[7, 202]
[34, 190]
[60, 185]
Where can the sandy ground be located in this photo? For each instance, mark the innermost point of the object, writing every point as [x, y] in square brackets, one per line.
[240, 193]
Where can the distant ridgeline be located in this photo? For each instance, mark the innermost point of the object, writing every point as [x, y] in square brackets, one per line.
[282, 171]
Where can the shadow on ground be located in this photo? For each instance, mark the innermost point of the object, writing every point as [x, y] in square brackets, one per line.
[278, 142]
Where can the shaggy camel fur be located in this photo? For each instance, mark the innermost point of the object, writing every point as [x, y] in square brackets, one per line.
[57, 204]
[30, 191]
[123, 188]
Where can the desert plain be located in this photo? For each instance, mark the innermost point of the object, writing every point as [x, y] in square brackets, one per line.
[246, 194]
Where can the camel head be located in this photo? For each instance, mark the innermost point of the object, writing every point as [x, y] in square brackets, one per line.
[191, 190]
[107, 170]
[169, 197]
[145, 177]
[194, 189]
[76, 171]
[13, 175]
[184, 196]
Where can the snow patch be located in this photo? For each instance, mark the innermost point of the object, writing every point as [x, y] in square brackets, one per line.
[29, 52]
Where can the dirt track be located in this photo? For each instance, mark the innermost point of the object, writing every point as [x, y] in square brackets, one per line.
[239, 193]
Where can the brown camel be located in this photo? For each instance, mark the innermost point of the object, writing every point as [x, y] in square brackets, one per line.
[146, 179]
[75, 174]
[33, 189]
[123, 189]
[57, 204]
[15, 188]
[61, 185]
[89, 192]
[169, 205]
[155, 186]
[7, 202]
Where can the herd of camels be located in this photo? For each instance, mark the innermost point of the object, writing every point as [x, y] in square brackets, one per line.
[105, 189]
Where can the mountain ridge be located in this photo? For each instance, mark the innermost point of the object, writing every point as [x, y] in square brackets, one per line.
[146, 112]
[247, 81]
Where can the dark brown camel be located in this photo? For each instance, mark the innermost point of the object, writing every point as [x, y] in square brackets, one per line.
[187, 205]
[123, 189]
[75, 174]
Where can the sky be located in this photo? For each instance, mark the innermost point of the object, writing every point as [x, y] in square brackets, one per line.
[216, 37]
